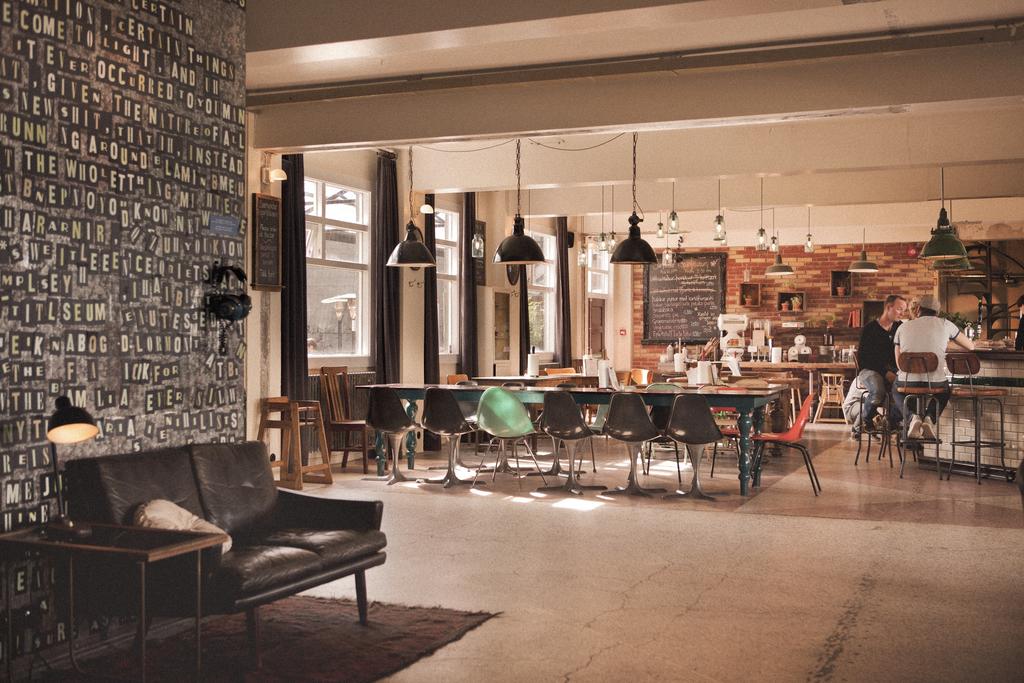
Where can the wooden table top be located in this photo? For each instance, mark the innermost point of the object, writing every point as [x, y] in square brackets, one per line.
[131, 542]
[794, 365]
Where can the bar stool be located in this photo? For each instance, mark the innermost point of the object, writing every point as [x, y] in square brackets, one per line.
[966, 366]
[692, 424]
[919, 363]
[831, 396]
[502, 415]
[291, 417]
[629, 422]
[387, 416]
[563, 421]
[443, 416]
[869, 430]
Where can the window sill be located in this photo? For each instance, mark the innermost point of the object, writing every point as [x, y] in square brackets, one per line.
[354, 363]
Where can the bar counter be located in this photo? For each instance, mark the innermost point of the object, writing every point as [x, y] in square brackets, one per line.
[999, 368]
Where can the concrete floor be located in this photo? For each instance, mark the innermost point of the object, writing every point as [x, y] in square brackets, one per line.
[878, 579]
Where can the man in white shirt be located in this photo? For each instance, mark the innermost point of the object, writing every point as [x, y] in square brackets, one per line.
[928, 333]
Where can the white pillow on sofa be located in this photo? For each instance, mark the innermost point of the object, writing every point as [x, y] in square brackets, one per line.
[163, 514]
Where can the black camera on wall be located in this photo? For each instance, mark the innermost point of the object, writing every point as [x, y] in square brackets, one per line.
[228, 302]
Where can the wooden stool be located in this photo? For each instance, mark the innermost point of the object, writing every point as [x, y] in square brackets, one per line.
[965, 366]
[831, 397]
[291, 417]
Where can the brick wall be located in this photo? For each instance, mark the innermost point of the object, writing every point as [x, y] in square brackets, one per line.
[898, 273]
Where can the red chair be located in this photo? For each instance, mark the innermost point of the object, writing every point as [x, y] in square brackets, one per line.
[791, 439]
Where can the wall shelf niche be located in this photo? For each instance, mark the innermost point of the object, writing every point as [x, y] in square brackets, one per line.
[750, 294]
[841, 283]
[791, 301]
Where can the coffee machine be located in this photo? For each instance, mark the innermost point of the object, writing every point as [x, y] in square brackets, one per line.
[732, 326]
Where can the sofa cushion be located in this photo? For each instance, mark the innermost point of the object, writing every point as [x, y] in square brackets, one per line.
[250, 569]
[236, 486]
[108, 489]
[334, 547]
[163, 514]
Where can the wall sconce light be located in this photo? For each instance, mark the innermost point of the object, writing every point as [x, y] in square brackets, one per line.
[271, 175]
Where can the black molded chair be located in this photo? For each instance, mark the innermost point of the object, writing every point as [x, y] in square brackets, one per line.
[629, 422]
[386, 415]
[564, 423]
[692, 424]
[443, 416]
[660, 416]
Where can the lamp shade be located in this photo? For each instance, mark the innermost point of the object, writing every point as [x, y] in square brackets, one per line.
[411, 252]
[863, 265]
[633, 249]
[779, 269]
[944, 244]
[70, 424]
[951, 265]
[518, 248]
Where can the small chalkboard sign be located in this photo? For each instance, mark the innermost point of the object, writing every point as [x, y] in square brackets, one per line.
[266, 242]
[684, 300]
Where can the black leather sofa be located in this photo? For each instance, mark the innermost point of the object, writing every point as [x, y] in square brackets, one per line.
[283, 542]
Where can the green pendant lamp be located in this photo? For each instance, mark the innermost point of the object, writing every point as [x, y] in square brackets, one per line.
[411, 252]
[944, 244]
[778, 269]
[519, 248]
[863, 265]
[634, 249]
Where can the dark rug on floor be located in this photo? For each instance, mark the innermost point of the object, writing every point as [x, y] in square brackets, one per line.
[303, 639]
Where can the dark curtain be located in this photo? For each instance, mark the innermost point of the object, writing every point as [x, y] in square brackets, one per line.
[467, 362]
[563, 315]
[294, 328]
[431, 361]
[524, 321]
[384, 281]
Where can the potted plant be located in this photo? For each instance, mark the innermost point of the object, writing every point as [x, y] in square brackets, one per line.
[840, 290]
[748, 300]
[797, 303]
[784, 305]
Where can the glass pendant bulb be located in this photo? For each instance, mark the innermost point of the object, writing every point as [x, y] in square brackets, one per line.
[581, 258]
[673, 217]
[477, 245]
[611, 241]
[661, 229]
[762, 239]
[666, 257]
[602, 243]
[719, 228]
[774, 247]
[809, 244]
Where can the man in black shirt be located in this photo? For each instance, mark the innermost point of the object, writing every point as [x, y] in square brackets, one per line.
[877, 360]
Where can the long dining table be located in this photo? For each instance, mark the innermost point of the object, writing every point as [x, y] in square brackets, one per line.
[749, 404]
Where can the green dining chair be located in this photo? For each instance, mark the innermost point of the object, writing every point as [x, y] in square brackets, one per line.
[502, 415]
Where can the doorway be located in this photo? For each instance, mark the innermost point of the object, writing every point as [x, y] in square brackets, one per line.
[595, 333]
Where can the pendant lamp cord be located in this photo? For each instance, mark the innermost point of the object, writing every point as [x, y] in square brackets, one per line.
[720, 197]
[519, 190]
[762, 205]
[636, 206]
[410, 183]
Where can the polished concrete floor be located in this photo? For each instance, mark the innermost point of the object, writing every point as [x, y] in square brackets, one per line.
[878, 579]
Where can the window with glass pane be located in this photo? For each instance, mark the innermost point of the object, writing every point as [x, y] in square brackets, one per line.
[597, 270]
[337, 269]
[541, 296]
[446, 247]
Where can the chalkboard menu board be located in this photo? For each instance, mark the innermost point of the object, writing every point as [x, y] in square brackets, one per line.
[266, 242]
[683, 300]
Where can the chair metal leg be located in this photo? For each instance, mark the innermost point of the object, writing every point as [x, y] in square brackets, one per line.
[695, 490]
[395, 444]
[529, 450]
[572, 484]
[450, 478]
[632, 487]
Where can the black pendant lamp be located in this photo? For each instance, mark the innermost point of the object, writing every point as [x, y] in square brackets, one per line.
[863, 265]
[944, 244]
[411, 252]
[633, 249]
[518, 248]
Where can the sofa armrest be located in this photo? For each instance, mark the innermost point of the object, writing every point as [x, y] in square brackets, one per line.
[310, 512]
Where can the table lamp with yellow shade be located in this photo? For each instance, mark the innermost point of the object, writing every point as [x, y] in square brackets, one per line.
[68, 424]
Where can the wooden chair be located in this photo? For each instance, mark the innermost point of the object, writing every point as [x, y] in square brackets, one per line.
[641, 377]
[831, 397]
[291, 417]
[455, 378]
[559, 371]
[334, 387]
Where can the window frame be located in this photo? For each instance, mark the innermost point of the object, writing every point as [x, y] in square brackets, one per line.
[592, 250]
[360, 359]
[454, 322]
[548, 291]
